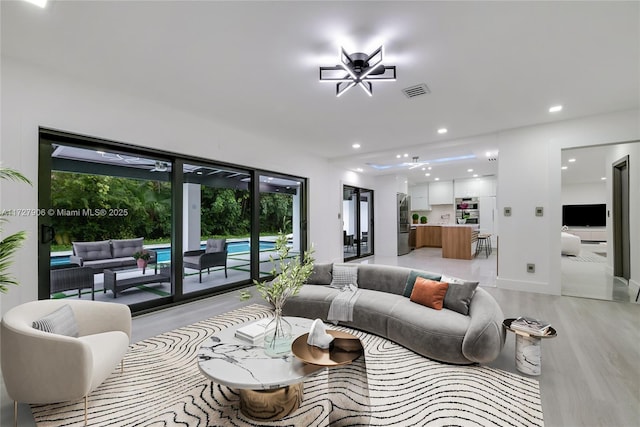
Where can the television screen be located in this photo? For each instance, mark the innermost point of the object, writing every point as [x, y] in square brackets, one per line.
[584, 215]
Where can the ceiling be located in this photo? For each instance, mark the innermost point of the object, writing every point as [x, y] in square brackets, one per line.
[489, 66]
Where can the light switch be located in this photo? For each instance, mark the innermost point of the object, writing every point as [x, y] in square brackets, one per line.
[539, 211]
[507, 211]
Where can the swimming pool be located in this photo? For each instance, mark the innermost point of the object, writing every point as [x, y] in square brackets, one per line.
[164, 253]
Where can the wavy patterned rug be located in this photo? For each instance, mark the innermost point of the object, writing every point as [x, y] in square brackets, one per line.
[162, 386]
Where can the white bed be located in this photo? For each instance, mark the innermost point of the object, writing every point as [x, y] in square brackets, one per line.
[570, 244]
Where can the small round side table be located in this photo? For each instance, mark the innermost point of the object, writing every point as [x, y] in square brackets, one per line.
[528, 349]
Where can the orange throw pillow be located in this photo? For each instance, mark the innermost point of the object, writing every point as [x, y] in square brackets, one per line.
[429, 293]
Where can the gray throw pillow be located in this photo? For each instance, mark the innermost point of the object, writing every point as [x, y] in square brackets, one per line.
[411, 280]
[61, 322]
[344, 275]
[321, 274]
[459, 294]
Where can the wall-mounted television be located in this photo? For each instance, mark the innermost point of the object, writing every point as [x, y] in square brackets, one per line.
[584, 215]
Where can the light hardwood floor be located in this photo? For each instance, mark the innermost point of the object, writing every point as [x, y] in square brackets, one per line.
[590, 371]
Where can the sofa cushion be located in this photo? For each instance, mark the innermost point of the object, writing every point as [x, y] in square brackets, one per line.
[61, 322]
[126, 247]
[382, 278]
[411, 280]
[215, 245]
[429, 293]
[344, 275]
[321, 274]
[90, 251]
[459, 294]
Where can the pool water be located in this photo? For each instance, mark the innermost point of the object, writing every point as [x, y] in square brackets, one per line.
[164, 253]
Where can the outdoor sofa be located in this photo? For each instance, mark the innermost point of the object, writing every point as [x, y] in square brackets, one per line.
[384, 308]
[109, 253]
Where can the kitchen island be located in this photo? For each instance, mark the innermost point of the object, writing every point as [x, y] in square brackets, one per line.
[456, 240]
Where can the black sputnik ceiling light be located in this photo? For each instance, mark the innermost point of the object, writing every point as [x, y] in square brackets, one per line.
[358, 69]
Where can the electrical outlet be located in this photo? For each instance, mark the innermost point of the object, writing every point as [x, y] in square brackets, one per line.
[539, 211]
[531, 268]
[507, 211]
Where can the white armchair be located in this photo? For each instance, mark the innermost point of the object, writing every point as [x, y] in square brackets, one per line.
[40, 367]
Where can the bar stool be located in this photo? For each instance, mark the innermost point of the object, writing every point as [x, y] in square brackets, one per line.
[484, 243]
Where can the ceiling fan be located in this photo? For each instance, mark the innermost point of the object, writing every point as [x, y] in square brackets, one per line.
[160, 166]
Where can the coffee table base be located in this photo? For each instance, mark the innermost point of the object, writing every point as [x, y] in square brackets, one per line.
[273, 404]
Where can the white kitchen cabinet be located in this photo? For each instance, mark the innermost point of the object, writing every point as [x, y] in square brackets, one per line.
[475, 187]
[420, 197]
[441, 193]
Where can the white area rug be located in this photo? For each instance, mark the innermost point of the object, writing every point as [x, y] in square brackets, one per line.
[162, 386]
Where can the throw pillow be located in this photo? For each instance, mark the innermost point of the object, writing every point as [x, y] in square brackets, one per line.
[321, 274]
[61, 322]
[344, 275]
[411, 280]
[429, 293]
[459, 294]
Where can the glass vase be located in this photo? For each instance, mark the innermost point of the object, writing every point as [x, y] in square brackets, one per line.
[278, 336]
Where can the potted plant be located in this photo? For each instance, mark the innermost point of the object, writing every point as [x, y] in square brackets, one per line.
[142, 259]
[10, 244]
[293, 274]
[423, 220]
[415, 217]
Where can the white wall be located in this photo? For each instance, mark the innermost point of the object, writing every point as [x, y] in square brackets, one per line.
[584, 194]
[386, 213]
[529, 176]
[31, 98]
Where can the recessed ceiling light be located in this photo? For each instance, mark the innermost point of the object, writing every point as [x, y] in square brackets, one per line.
[488, 154]
[442, 131]
[475, 175]
[555, 108]
[40, 3]
[437, 179]
[398, 156]
[571, 160]
[360, 170]
[356, 145]
[424, 169]
[469, 170]
[564, 168]
[603, 178]
[427, 174]
[429, 168]
[405, 155]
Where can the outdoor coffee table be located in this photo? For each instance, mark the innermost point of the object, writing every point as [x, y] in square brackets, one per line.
[269, 388]
[118, 279]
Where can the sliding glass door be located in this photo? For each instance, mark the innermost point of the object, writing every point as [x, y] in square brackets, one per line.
[144, 228]
[357, 232]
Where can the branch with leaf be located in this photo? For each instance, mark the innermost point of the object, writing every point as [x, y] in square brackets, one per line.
[10, 244]
[293, 274]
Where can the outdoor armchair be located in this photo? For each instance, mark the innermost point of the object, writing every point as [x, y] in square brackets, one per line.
[214, 255]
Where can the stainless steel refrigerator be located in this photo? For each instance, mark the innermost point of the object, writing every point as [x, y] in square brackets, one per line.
[404, 226]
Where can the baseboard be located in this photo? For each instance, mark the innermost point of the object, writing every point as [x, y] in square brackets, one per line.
[634, 287]
[527, 286]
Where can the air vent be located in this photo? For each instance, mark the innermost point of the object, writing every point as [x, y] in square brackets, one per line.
[417, 90]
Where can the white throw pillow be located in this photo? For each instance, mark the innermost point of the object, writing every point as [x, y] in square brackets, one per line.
[61, 322]
[344, 275]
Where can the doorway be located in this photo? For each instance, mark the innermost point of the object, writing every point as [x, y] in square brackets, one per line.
[357, 225]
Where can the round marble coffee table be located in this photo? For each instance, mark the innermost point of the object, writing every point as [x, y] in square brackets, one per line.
[270, 388]
[528, 349]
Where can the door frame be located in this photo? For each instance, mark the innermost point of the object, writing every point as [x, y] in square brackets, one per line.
[621, 220]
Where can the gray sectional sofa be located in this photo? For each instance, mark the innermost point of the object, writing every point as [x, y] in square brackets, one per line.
[445, 335]
[108, 253]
